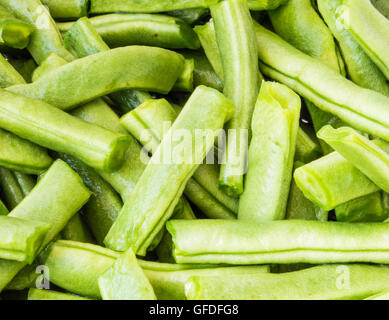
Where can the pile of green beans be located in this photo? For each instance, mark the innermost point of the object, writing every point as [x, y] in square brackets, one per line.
[194, 149]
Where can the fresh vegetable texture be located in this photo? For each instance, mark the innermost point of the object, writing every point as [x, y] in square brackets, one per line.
[194, 150]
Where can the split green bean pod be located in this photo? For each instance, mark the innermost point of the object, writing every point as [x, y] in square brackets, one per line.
[135, 67]
[58, 195]
[155, 192]
[331, 282]
[289, 241]
[235, 37]
[76, 267]
[274, 125]
[364, 109]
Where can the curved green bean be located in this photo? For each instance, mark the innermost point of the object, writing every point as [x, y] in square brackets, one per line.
[235, 39]
[283, 242]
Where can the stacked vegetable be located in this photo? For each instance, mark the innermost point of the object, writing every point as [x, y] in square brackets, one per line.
[293, 204]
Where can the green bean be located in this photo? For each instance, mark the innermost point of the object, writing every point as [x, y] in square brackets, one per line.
[42, 294]
[22, 155]
[275, 125]
[11, 190]
[137, 227]
[46, 37]
[76, 230]
[184, 82]
[104, 6]
[364, 154]
[76, 267]
[20, 239]
[207, 37]
[382, 6]
[26, 278]
[235, 37]
[67, 9]
[265, 4]
[370, 28]
[307, 148]
[125, 280]
[25, 67]
[21, 116]
[362, 108]
[14, 33]
[283, 242]
[58, 195]
[332, 282]
[203, 73]
[8, 75]
[119, 30]
[3, 209]
[25, 181]
[202, 189]
[370, 208]
[301, 208]
[130, 67]
[360, 67]
[332, 180]
[190, 16]
[103, 206]
[50, 63]
[298, 23]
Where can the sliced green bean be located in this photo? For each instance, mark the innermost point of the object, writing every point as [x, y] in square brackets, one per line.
[265, 4]
[364, 109]
[50, 63]
[11, 190]
[190, 16]
[332, 282]
[125, 280]
[147, 68]
[14, 33]
[58, 195]
[25, 67]
[371, 208]
[203, 73]
[332, 180]
[235, 37]
[67, 9]
[370, 28]
[135, 227]
[364, 154]
[184, 82]
[25, 181]
[283, 242]
[22, 155]
[46, 37]
[20, 239]
[76, 267]
[119, 30]
[25, 117]
[361, 69]
[42, 294]
[274, 125]
[148, 124]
